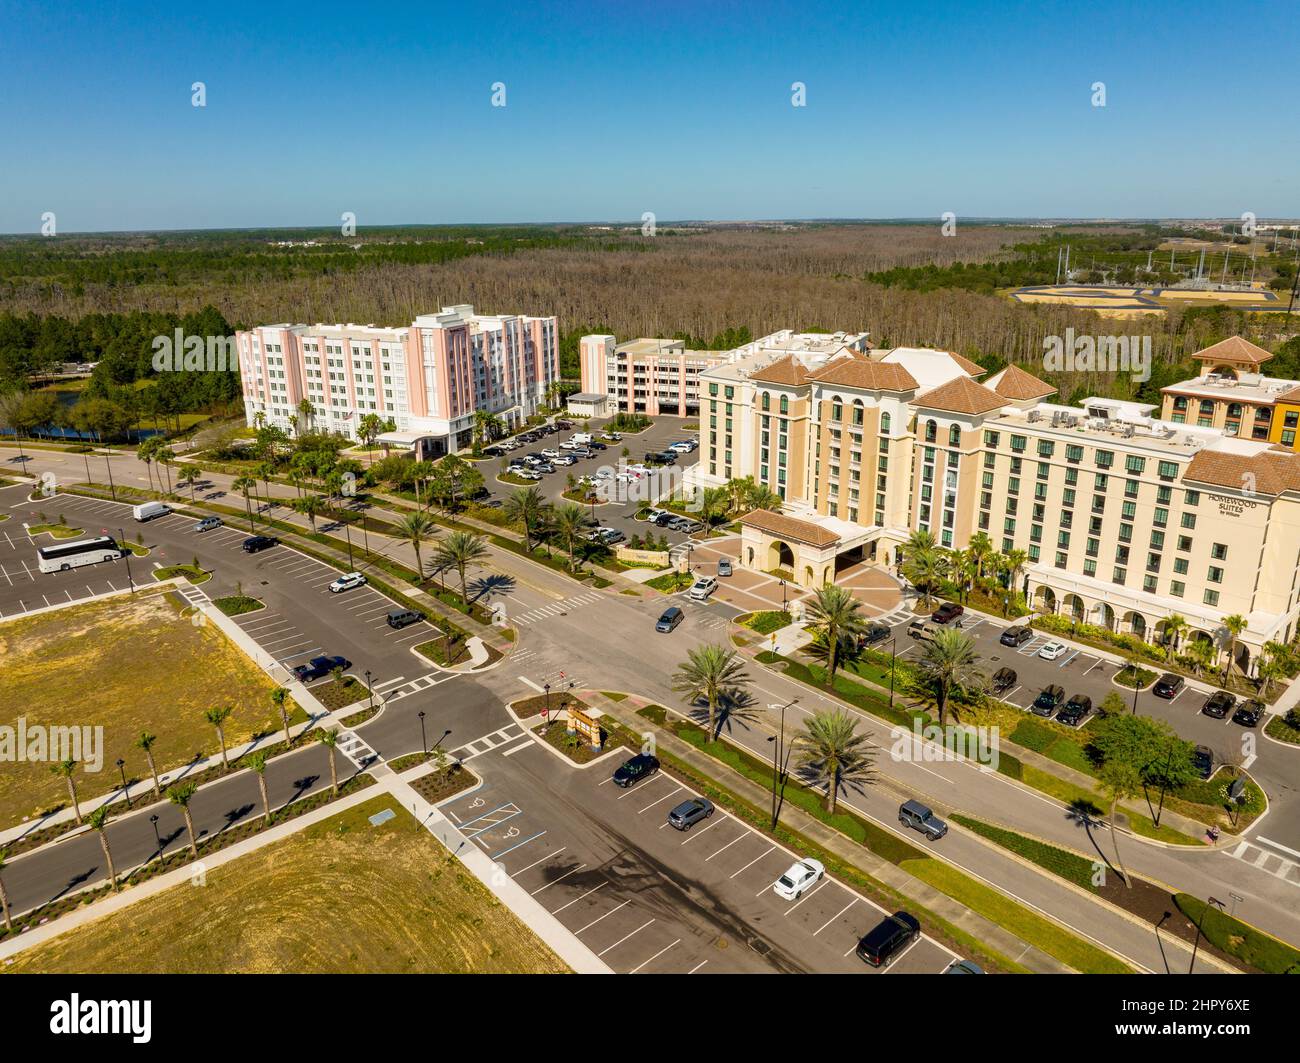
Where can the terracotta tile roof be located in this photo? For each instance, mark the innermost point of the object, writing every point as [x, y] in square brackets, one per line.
[967, 364]
[1233, 349]
[1014, 383]
[784, 527]
[785, 370]
[1290, 396]
[960, 395]
[861, 372]
[1270, 472]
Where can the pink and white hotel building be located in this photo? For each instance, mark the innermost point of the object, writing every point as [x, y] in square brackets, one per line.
[429, 378]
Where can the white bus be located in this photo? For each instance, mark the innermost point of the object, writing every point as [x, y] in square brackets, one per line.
[64, 556]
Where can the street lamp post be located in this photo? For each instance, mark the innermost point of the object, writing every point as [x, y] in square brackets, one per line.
[784, 606]
[127, 555]
[546, 712]
[126, 790]
[347, 530]
[1135, 690]
[1161, 943]
[780, 762]
[424, 742]
[112, 487]
[156, 836]
[370, 690]
[893, 656]
[1199, 923]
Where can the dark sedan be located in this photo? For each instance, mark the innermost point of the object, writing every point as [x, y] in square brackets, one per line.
[874, 633]
[1219, 704]
[642, 766]
[1169, 686]
[1249, 713]
[319, 668]
[946, 612]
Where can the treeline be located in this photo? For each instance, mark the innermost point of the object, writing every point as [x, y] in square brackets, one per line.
[124, 390]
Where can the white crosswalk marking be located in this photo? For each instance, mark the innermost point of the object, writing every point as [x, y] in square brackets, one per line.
[1279, 867]
[576, 601]
[488, 742]
[356, 750]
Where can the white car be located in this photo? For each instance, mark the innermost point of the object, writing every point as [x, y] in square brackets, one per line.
[653, 514]
[346, 583]
[569, 444]
[704, 586]
[550, 452]
[682, 448]
[1052, 651]
[525, 473]
[565, 459]
[794, 882]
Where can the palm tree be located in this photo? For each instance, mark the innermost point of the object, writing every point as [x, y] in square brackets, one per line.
[66, 768]
[257, 761]
[1120, 780]
[307, 411]
[244, 484]
[1234, 625]
[1269, 668]
[711, 672]
[1014, 560]
[188, 477]
[1202, 652]
[145, 453]
[526, 506]
[420, 472]
[920, 540]
[835, 754]
[925, 567]
[416, 528]
[164, 455]
[950, 665]
[4, 897]
[145, 742]
[569, 522]
[218, 717]
[98, 820]
[181, 796]
[979, 548]
[459, 550]
[964, 570]
[1175, 625]
[279, 696]
[311, 507]
[330, 739]
[713, 503]
[833, 614]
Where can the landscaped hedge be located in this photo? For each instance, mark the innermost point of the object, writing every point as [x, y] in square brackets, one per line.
[1252, 946]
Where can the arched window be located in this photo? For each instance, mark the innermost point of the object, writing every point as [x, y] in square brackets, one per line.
[857, 412]
[767, 401]
[954, 436]
[785, 403]
[931, 431]
[837, 411]
[884, 423]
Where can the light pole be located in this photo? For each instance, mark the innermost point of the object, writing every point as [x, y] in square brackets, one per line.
[424, 742]
[1135, 688]
[1199, 923]
[112, 487]
[784, 607]
[127, 555]
[156, 836]
[780, 762]
[126, 791]
[347, 530]
[546, 712]
[370, 691]
[893, 656]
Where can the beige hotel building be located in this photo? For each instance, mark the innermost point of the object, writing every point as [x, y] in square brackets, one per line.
[1125, 518]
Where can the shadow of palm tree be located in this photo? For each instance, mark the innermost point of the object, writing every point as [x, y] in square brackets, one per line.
[1087, 816]
[493, 583]
[739, 706]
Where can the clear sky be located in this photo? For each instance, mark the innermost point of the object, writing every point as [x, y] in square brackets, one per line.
[680, 107]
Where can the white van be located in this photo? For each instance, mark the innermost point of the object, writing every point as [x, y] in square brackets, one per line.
[150, 510]
[581, 437]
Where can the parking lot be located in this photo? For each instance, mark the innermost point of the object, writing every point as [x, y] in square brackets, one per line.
[647, 898]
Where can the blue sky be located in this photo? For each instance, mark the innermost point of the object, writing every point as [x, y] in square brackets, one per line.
[676, 107]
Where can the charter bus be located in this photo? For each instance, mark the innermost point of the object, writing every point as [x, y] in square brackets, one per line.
[64, 556]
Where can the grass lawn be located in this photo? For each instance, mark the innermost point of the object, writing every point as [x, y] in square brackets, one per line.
[341, 897]
[670, 582]
[1278, 727]
[194, 575]
[115, 664]
[339, 693]
[56, 531]
[235, 604]
[766, 621]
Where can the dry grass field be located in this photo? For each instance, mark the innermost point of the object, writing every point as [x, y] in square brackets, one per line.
[127, 664]
[341, 897]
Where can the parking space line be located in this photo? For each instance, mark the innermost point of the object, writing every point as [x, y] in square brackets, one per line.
[599, 918]
[553, 881]
[729, 844]
[632, 790]
[517, 845]
[670, 793]
[555, 852]
[832, 919]
[697, 966]
[809, 895]
[625, 937]
[575, 900]
[656, 956]
[770, 848]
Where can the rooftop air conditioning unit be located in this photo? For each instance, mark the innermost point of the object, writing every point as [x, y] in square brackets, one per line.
[1034, 415]
[1128, 431]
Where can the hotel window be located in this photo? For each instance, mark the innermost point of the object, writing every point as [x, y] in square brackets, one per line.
[991, 440]
[1164, 495]
[1105, 459]
[884, 422]
[1215, 575]
[1018, 444]
[1119, 575]
[1149, 584]
[990, 460]
[1135, 465]
[1100, 481]
[1211, 598]
[1189, 521]
[1161, 517]
[1153, 562]
[1168, 470]
[1219, 552]
[1093, 547]
[1180, 566]
[931, 431]
[1130, 489]
[1046, 448]
[767, 401]
[1129, 510]
[1013, 485]
[1009, 527]
[1067, 498]
[785, 403]
[1061, 559]
[837, 410]
[1089, 568]
[1071, 476]
[857, 412]
[1176, 588]
[1157, 540]
[954, 436]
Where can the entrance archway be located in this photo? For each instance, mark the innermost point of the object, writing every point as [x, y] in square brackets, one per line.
[779, 555]
[1072, 604]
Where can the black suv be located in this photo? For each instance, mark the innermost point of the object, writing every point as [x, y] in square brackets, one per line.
[1075, 710]
[1219, 704]
[872, 634]
[1169, 686]
[258, 542]
[319, 668]
[882, 943]
[1016, 636]
[947, 611]
[1203, 761]
[639, 767]
[1048, 700]
[1003, 680]
[1249, 713]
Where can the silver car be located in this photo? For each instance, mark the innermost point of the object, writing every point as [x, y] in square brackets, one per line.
[689, 813]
